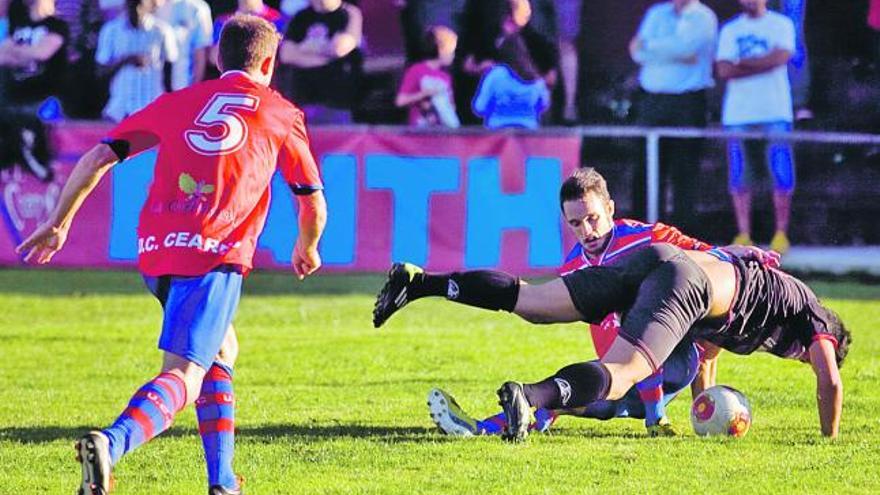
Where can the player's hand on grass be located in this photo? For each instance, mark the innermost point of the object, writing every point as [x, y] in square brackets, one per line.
[305, 260]
[43, 243]
[769, 258]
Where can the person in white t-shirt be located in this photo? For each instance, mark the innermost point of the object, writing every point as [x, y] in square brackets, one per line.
[193, 29]
[753, 53]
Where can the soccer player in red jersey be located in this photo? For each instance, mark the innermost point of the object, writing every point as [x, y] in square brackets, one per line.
[588, 210]
[219, 143]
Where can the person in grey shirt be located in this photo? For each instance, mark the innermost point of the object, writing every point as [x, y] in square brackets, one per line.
[674, 48]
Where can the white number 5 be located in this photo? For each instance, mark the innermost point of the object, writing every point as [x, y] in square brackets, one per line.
[223, 110]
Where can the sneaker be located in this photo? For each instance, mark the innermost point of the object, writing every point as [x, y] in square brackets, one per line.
[448, 415]
[93, 453]
[517, 409]
[393, 295]
[742, 239]
[780, 242]
[222, 490]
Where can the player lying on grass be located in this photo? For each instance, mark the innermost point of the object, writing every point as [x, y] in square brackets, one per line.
[588, 211]
[220, 142]
[665, 294]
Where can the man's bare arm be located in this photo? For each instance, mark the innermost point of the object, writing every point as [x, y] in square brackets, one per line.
[829, 386]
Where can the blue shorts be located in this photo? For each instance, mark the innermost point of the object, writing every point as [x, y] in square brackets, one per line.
[198, 311]
[778, 154]
[679, 370]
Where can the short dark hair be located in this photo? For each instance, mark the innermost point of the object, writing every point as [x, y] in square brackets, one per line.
[582, 182]
[840, 332]
[245, 41]
[430, 48]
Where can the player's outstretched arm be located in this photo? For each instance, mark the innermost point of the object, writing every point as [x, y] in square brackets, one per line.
[312, 219]
[829, 386]
[49, 237]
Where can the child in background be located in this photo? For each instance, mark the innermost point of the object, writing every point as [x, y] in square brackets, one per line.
[427, 87]
[510, 98]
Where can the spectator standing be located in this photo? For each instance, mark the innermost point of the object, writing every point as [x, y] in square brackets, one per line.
[321, 48]
[568, 15]
[674, 48]
[83, 94]
[512, 93]
[496, 31]
[426, 89]
[798, 65]
[33, 60]
[753, 51]
[191, 22]
[136, 50]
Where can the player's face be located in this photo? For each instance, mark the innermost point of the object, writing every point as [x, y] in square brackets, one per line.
[590, 219]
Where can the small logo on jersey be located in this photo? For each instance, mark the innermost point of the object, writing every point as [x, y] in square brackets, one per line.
[452, 290]
[564, 390]
[197, 191]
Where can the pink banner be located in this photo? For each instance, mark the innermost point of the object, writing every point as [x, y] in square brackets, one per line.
[444, 201]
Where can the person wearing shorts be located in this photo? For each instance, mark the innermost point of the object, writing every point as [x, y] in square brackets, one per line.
[219, 143]
[665, 294]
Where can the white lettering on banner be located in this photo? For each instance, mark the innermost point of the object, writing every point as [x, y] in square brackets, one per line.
[187, 240]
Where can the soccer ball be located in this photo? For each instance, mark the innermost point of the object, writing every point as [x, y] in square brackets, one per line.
[721, 410]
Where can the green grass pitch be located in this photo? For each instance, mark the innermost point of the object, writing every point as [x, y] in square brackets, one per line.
[328, 405]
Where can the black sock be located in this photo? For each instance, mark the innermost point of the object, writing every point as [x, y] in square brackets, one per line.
[575, 385]
[487, 289]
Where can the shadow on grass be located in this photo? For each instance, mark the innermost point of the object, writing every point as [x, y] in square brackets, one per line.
[82, 283]
[265, 433]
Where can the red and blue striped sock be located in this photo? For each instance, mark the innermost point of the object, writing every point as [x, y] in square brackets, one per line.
[493, 425]
[651, 392]
[215, 409]
[150, 412]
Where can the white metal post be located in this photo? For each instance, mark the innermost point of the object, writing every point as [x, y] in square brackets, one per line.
[652, 175]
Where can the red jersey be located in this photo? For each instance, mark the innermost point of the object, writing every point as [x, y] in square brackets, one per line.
[626, 236]
[220, 142]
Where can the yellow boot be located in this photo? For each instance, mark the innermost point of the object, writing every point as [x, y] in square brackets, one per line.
[780, 242]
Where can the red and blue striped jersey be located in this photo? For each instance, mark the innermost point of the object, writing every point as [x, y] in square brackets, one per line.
[626, 236]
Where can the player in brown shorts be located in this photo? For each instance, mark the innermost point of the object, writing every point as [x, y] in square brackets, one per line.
[664, 293]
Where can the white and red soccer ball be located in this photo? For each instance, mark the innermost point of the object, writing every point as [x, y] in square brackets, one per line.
[721, 410]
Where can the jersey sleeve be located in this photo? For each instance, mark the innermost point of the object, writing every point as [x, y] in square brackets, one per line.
[140, 129]
[667, 233]
[296, 162]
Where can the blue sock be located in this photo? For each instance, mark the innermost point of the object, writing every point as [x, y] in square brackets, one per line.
[651, 392]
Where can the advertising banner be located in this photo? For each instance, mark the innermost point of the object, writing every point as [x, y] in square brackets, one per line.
[445, 201]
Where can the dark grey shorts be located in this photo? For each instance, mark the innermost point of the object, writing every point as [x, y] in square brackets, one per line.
[659, 290]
